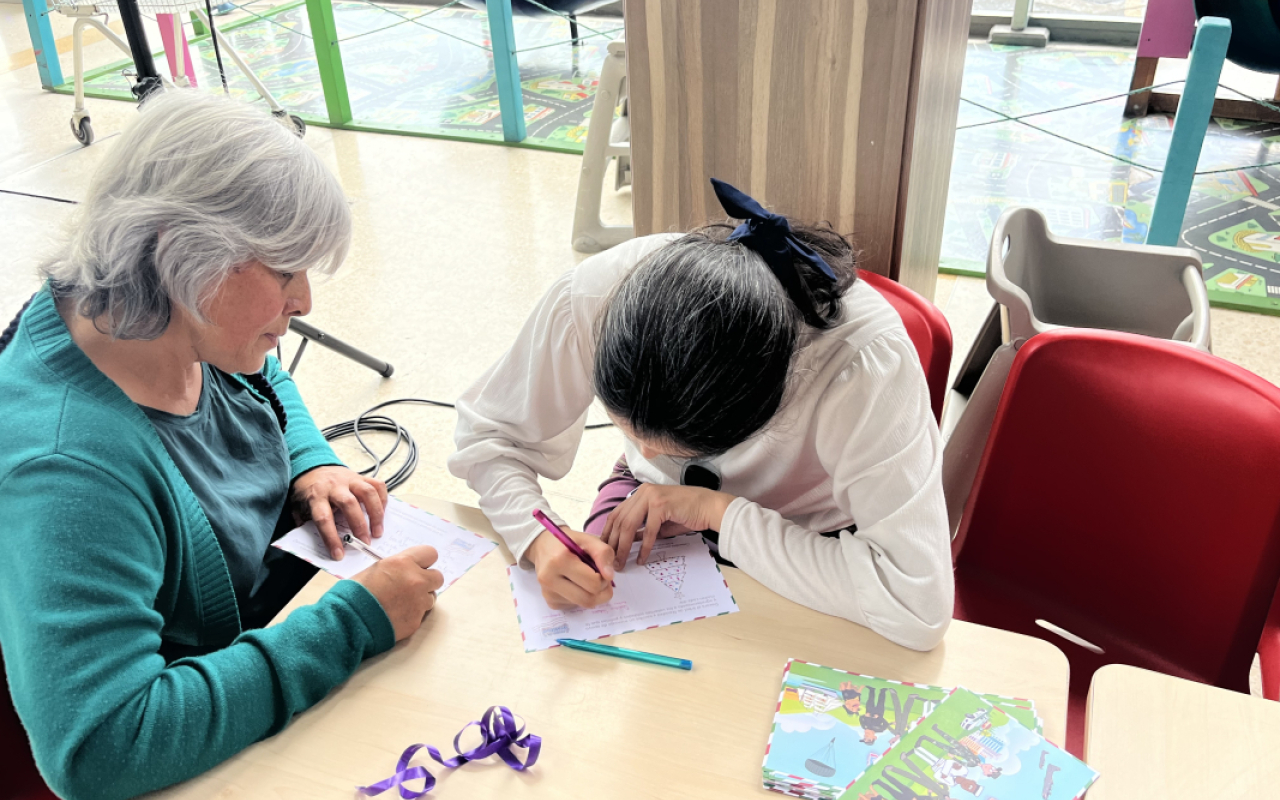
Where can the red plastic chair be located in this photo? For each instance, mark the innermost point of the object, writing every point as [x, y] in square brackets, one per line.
[20, 779]
[928, 330]
[1130, 495]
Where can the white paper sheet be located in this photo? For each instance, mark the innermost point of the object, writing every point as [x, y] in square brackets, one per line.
[403, 526]
[681, 582]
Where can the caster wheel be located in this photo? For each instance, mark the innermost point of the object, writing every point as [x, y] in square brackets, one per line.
[83, 131]
[295, 121]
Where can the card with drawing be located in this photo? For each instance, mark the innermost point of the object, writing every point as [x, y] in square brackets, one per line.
[680, 583]
[830, 725]
[969, 748]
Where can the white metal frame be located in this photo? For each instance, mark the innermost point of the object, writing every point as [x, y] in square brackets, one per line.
[95, 14]
[258, 87]
[87, 15]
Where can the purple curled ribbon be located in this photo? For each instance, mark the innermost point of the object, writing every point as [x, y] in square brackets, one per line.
[498, 733]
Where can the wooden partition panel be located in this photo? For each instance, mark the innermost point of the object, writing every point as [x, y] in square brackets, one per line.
[937, 71]
[801, 103]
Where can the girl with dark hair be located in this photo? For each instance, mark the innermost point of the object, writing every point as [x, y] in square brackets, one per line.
[768, 399]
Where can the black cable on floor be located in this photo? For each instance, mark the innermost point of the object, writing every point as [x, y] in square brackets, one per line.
[368, 421]
[41, 197]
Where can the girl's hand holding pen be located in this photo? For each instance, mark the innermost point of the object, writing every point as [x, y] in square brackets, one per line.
[566, 581]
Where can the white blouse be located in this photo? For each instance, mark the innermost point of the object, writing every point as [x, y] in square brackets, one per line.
[855, 443]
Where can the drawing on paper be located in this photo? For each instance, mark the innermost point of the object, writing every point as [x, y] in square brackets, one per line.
[669, 572]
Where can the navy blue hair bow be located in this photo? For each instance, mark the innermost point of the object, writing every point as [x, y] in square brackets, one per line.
[770, 236]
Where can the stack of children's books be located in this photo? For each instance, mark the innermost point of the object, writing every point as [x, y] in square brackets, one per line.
[840, 735]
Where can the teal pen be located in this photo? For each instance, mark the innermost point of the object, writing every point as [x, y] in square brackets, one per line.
[622, 652]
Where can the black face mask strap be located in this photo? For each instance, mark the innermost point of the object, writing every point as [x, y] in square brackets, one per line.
[263, 387]
[702, 474]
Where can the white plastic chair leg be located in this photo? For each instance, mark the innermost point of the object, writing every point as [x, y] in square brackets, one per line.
[590, 235]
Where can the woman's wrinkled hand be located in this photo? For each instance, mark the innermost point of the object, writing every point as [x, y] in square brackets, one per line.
[325, 493]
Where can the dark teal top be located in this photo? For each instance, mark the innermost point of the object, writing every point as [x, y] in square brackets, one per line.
[110, 559]
[233, 455]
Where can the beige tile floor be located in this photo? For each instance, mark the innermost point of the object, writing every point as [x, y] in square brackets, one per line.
[454, 243]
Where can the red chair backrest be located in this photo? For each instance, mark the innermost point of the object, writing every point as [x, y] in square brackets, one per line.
[928, 330]
[19, 780]
[1130, 493]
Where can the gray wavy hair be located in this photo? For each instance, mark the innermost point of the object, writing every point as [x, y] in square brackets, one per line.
[195, 187]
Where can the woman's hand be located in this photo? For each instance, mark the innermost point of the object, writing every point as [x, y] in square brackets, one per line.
[404, 587]
[567, 582]
[317, 493]
[662, 511]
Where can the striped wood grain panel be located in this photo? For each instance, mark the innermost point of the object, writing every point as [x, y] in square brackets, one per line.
[802, 103]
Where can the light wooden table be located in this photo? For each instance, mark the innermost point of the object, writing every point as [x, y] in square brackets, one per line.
[1159, 737]
[610, 728]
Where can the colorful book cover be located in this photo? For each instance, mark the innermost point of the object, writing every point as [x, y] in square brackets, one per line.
[830, 725]
[969, 748]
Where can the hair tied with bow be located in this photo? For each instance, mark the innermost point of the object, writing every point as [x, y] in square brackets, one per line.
[770, 236]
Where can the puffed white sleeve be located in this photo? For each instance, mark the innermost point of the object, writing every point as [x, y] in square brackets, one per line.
[877, 439]
[524, 418]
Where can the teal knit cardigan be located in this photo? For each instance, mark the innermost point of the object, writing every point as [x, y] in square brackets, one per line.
[107, 553]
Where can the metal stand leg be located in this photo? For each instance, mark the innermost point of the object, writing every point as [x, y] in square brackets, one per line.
[314, 334]
[148, 79]
[573, 29]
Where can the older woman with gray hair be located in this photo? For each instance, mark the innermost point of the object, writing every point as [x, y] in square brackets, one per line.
[150, 452]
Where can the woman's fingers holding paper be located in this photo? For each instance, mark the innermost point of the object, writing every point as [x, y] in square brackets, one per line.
[373, 501]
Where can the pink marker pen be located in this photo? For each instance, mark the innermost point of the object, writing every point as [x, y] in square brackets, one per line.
[566, 541]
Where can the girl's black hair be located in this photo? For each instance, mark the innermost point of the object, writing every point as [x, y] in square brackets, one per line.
[257, 380]
[694, 347]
